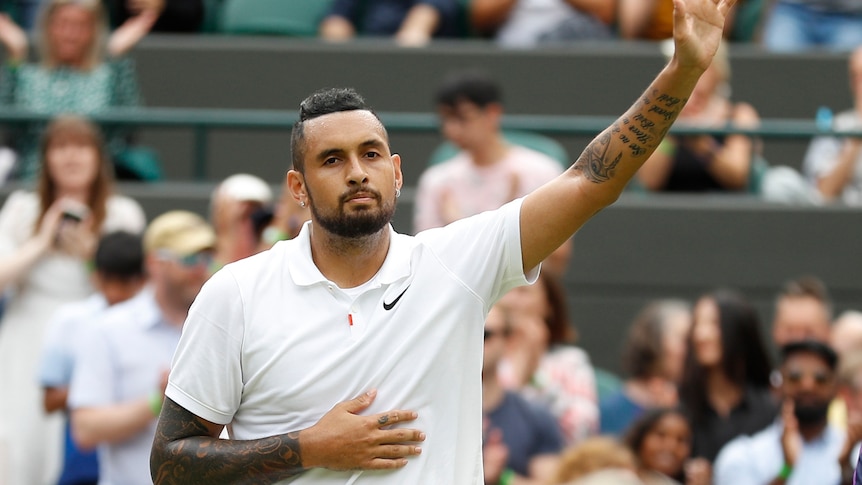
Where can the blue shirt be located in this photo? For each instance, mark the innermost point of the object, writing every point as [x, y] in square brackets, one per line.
[384, 17]
[758, 459]
[528, 431]
[617, 412]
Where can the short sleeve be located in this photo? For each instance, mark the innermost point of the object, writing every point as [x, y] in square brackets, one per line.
[16, 221]
[483, 251]
[206, 374]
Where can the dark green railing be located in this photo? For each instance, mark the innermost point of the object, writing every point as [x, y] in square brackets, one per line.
[202, 121]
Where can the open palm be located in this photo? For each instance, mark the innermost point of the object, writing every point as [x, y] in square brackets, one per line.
[697, 31]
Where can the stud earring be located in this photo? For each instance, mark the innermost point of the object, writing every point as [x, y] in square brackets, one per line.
[302, 203]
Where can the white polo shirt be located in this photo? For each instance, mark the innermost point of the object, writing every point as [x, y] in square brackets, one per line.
[269, 347]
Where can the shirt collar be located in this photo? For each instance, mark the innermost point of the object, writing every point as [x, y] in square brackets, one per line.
[304, 272]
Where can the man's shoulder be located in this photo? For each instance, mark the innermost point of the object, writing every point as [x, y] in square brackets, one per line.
[124, 316]
[744, 448]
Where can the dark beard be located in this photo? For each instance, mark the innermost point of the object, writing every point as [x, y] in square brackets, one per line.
[364, 223]
[808, 414]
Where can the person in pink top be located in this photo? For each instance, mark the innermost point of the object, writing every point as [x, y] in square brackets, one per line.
[488, 171]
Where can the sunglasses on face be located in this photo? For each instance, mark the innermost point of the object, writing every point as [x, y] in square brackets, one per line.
[795, 377]
[202, 258]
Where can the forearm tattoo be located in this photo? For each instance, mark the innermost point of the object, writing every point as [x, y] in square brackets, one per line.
[184, 453]
[634, 136]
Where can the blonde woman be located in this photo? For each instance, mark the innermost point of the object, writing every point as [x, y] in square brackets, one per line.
[47, 238]
[80, 68]
[703, 163]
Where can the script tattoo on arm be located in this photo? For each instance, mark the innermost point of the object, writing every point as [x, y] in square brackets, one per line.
[185, 453]
[632, 138]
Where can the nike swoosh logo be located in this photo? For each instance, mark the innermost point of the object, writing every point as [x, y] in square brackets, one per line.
[391, 305]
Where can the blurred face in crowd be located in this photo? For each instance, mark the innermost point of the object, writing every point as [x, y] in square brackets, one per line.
[811, 384]
[666, 446]
[180, 277]
[527, 299]
[468, 125]
[675, 344]
[496, 333]
[706, 333]
[800, 318]
[73, 163]
[705, 91]
[856, 77]
[116, 290]
[71, 33]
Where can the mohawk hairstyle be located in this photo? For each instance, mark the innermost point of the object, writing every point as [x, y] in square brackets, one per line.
[319, 103]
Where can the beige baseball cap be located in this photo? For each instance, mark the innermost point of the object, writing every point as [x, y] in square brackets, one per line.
[180, 232]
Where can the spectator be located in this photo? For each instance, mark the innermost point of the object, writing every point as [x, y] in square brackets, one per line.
[799, 447]
[597, 460]
[801, 25]
[653, 20]
[527, 23]
[846, 335]
[850, 393]
[653, 360]
[846, 340]
[46, 239]
[118, 275]
[73, 75]
[833, 164]
[529, 432]
[240, 208]
[803, 310]
[699, 163]
[117, 388]
[543, 364]
[488, 171]
[725, 386]
[661, 443]
[412, 22]
[177, 16]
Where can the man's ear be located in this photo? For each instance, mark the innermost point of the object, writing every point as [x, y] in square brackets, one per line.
[396, 165]
[295, 182]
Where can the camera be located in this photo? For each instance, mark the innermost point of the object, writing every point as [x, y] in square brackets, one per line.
[74, 214]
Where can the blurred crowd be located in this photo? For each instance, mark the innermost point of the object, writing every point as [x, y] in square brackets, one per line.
[96, 295]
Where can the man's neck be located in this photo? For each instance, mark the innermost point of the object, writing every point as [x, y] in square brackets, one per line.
[170, 312]
[811, 432]
[348, 262]
[487, 154]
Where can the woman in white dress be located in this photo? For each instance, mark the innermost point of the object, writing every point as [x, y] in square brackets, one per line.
[47, 238]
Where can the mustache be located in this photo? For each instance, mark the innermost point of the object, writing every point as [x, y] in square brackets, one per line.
[370, 192]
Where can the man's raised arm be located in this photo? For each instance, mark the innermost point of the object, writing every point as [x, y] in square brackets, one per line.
[552, 213]
[187, 449]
